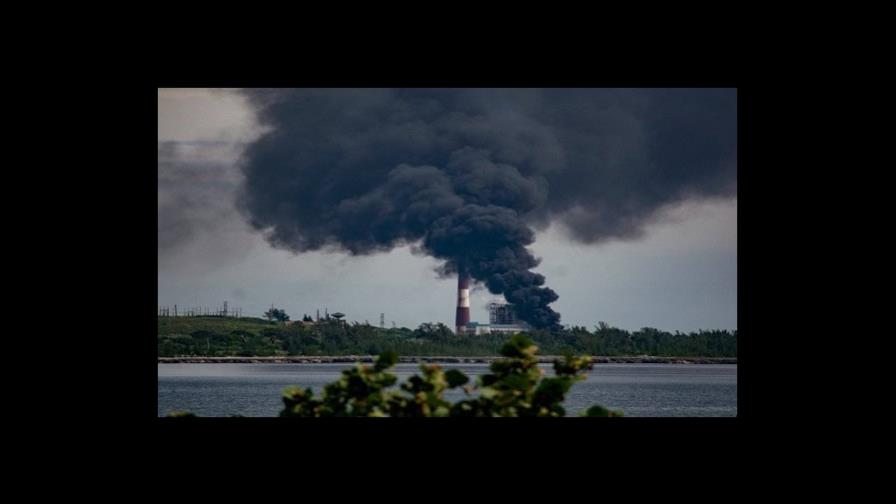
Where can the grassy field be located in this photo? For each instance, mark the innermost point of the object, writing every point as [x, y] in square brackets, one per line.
[170, 326]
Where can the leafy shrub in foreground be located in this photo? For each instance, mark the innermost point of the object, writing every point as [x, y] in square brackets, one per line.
[515, 387]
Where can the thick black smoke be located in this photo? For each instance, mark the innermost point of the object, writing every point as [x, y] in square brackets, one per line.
[467, 175]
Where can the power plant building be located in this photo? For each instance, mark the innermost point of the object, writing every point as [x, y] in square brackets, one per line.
[502, 317]
[501, 314]
[477, 328]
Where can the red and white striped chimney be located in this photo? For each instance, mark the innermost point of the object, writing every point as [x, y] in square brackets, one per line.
[463, 303]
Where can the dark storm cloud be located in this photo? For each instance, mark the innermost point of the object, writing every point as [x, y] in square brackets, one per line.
[466, 175]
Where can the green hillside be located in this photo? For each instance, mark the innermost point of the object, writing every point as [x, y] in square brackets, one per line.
[187, 325]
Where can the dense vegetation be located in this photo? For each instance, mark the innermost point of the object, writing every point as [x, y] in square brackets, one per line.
[218, 336]
[277, 314]
[516, 386]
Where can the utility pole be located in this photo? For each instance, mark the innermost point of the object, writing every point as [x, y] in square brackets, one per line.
[382, 320]
[175, 310]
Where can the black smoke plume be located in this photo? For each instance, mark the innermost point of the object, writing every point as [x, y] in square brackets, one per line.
[468, 175]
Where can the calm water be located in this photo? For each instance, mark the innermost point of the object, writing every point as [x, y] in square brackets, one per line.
[639, 390]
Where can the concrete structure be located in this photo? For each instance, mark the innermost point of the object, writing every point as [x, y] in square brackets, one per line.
[502, 319]
[501, 314]
[507, 328]
[477, 328]
[462, 317]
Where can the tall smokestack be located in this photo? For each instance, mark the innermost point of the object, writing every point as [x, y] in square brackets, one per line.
[463, 302]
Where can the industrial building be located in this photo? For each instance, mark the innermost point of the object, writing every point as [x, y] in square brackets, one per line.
[501, 314]
[502, 318]
[477, 328]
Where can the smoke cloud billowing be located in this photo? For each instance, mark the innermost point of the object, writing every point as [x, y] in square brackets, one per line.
[467, 176]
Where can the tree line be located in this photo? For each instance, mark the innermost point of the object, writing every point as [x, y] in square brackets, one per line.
[334, 337]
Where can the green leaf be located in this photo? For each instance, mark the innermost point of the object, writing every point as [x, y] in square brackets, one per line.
[516, 381]
[600, 411]
[455, 378]
[385, 361]
[551, 390]
[180, 414]
[488, 392]
[518, 346]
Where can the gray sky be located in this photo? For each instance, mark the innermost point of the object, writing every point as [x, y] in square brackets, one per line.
[682, 275]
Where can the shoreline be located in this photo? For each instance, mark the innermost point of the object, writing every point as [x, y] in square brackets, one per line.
[351, 359]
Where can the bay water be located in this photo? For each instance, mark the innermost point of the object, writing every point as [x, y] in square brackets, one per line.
[639, 390]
